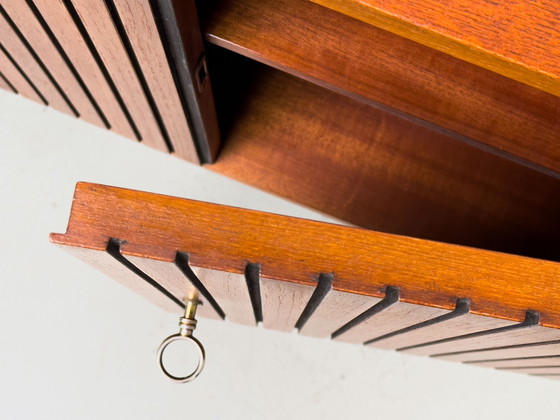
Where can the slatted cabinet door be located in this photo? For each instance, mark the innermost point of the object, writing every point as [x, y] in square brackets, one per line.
[361, 286]
[113, 63]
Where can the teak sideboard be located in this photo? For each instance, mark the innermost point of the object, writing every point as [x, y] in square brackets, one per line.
[436, 127]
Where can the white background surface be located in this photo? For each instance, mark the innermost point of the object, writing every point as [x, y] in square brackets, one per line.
[76, 345]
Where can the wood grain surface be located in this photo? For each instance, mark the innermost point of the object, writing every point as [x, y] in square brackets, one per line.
[23, 87]
[506, 338]
[464, 324]
[283, 303]
[541, 370]
[336, 310]
[395, 317]
[143, 35]
[172, 279]
[378, 67]
[538, 361]
[67, 34]
[365, 262]
[230, 291]
[27, 63]
[293, 138]
[23, 17]
[508, 351]
[106, 264]
[518, 39]
[96, 18]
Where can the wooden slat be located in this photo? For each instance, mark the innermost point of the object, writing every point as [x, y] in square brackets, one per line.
[518, 40]
[17, 80]
[464, 324]
[67, 34]
[382, 172]
[226, 238]
[27, 23]
[541, 370]
[142, 32]
[100, 27]
[510, 337]
[395, 317]
[106, 264]
[336, 310]
[342, 53]
[231, 293]
[31, 68]
[168, 275]
[283, 303]
[514, 363]
[531, 350]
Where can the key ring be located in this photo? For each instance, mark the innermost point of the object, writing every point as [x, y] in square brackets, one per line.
[187, 325]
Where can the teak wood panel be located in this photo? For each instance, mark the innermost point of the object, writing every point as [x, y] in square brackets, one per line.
[466, 324]
[518, 39]
[538, 361]
[336, 310]
[364, 62]
[24, 59]
[283, 303]
[376, 170]
[145, 40]
[61, 24]
[23, 17]
[176, 282]
[493, 338]
[507, 351]
[396, 317]
[220, 241]
[17, 79]
[97, 20]
[230, 291]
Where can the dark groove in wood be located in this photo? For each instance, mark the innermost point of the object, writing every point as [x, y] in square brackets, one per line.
[391, 297]
[139, 72]
[531, 319]
[68, 62]
[182, 262]
[114, 250]
[527, 367]
[87, 39]
[166, 23]
[515, 346]
[462, 308]
[252, 276]
[39, 61]
[324, 285]
[24, 75]
[510, 358]
[5, 79]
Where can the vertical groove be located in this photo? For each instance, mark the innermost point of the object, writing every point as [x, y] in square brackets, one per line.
[531, 319]
[139, 72]
[114, 250]
[5, 79]
[28, 80]
[39, 61]
[170, 35]
[182, 262]
[391, 297]
[253, 278]
[462, 307]
[68, 62]
[324, 286]
[89, 42]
